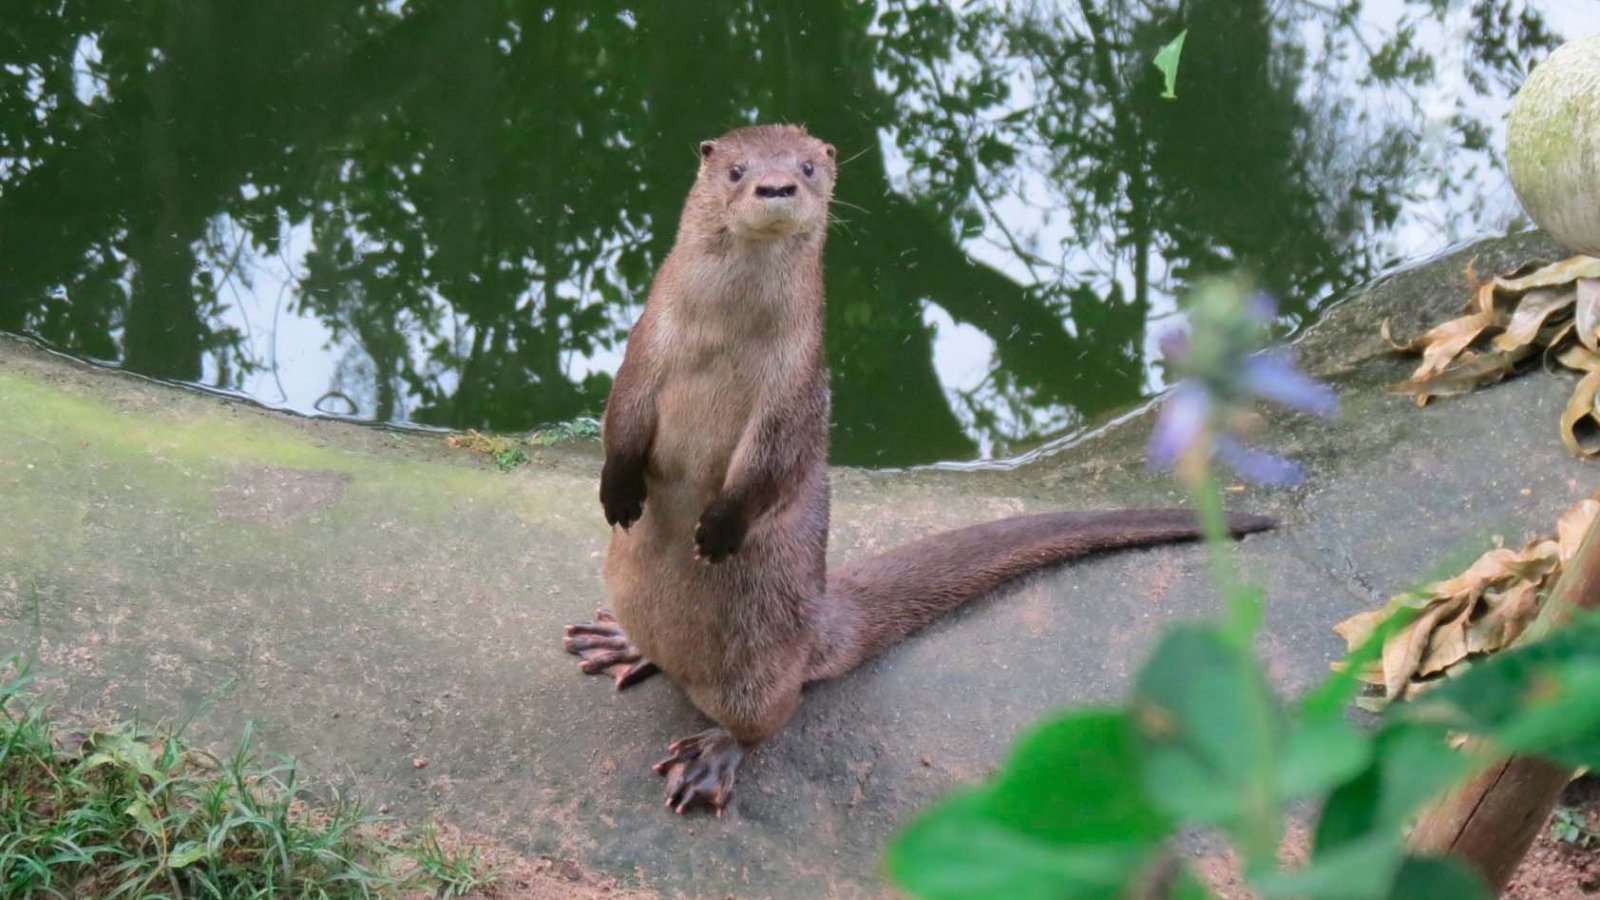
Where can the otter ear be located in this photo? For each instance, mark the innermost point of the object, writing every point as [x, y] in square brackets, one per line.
[828, 149]
[706, 148]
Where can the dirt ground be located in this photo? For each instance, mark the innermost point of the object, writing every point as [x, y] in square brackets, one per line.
[1553, 869]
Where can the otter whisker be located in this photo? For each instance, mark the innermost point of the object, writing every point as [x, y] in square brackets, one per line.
[859, 153]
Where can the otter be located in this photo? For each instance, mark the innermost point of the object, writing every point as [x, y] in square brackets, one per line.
[715, 479]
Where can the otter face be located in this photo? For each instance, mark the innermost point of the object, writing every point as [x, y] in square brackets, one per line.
[770, 181]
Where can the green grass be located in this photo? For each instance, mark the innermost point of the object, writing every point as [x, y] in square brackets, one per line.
[581, 427]
[132, 812]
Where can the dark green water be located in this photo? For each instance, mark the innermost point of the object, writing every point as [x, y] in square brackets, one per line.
[448, 213]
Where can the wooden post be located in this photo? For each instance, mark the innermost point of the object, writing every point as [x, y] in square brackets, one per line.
[1490, 821]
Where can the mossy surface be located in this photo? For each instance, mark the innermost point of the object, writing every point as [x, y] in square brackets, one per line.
[390, 610]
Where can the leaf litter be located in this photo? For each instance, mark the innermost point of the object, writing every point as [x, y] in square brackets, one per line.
[1539, 310]
[1457, 620]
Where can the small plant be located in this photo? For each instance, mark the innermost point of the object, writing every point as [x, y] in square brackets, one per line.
[128, 812]
[506, 452]
[1569, 826]
[581, 427]
[510, 458]
[456, 873]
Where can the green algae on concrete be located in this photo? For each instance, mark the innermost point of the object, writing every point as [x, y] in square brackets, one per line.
[390, 611]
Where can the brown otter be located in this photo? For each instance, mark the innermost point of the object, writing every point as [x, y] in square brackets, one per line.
[716, 444]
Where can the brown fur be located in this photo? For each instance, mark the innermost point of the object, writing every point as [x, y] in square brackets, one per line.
[716, 437]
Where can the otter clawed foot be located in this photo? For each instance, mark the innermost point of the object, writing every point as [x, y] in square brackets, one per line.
[602, 646]
[701, 769]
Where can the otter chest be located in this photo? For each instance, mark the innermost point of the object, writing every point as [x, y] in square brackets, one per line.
[720, 372]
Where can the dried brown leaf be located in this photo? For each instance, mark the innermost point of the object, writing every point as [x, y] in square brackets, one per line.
[1579, 357]
[1580, 430]
[1587, 312]
[1507, 616]
[1402, 652]
[1491, 568]
[1485, 608]
[1558, 273]
[1447, 644]
[1469, 372]
[1443, 342]
[1536, 306]
[1412, 346]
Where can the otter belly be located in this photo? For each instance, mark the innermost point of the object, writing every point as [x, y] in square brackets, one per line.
[706, 623]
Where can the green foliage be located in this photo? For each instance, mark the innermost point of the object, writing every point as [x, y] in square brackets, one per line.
[510, 458]
[455, 873]
[127, 812]
[1011, 838]
[579, 428]
[1090, 802]
[507, 453]
[1570, 827]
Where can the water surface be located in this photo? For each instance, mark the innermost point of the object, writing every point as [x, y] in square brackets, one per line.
[448, 214]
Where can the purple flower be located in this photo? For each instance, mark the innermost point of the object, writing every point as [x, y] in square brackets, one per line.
[1222, 376]
[1271, 375]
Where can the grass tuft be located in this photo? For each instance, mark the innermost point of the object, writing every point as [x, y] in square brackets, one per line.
[133, 812]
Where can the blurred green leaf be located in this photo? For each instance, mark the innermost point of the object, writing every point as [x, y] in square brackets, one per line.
[1543, 698]
[1359, 870]
[1086, 762]
[186, 853]
[1211, 732]
[1410, 764]
[1321, 753]
[959, 851]
[1066, 818]
[1438, 878]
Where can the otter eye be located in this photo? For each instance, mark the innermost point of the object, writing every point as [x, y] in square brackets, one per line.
[808, 168]
[736, 173]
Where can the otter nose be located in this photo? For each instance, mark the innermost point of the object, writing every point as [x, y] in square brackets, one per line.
[774, 191]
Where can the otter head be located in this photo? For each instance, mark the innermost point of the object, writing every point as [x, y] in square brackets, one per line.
[767, 181]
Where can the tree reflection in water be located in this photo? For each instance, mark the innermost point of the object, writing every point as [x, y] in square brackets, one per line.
[448, 213]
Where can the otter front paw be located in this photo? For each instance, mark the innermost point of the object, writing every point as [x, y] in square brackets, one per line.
[622, 492]
[721, 531]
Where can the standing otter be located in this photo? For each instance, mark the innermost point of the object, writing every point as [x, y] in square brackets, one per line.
[716, 471]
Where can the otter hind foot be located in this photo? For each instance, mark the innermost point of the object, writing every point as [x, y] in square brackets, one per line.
[602, 646]
[701, 769]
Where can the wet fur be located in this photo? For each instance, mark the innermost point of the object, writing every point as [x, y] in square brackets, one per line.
[716, 437]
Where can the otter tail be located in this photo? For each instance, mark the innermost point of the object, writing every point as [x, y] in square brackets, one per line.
[876, 602]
